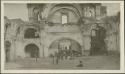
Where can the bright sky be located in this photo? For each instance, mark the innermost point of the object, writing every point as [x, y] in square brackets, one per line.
[112, 9]
[13, 11]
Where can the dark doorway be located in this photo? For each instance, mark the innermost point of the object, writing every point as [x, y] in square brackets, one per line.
[32, 51]
[98, 45]
[31, 33]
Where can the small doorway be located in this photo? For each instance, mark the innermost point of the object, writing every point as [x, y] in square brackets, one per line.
[32, 51]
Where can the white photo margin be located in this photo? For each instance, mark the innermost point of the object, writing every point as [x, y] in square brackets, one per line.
[122, 69]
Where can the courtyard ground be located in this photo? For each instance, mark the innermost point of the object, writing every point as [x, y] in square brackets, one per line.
[110, 62]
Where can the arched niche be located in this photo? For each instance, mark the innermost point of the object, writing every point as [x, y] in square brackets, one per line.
[31, 33]
[32, 50]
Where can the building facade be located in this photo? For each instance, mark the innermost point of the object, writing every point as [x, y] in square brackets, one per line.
[52, 27]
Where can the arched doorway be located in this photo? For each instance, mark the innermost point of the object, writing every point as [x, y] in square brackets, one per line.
[67, 46]
[98, 45]
[31, 33]
[32, 51]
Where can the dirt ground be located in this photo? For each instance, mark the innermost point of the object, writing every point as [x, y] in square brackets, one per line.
[110, 62]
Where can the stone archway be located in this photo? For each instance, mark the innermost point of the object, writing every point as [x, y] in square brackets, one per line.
[32, 50]
[65, 44]
[67, 6]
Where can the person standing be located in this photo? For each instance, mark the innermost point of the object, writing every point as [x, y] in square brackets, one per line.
[56, 58]
[52, 56]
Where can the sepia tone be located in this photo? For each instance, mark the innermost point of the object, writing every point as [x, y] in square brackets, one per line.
[63, 36]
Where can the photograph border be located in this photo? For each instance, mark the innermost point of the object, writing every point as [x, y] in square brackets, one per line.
[122, 69]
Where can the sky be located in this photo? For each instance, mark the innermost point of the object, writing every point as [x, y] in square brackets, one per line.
[13, 11]
[112, 9]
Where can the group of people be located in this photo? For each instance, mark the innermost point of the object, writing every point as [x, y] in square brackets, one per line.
[64, 55]
[61, 55]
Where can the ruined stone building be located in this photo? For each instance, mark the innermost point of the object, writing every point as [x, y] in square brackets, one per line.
[51, 26]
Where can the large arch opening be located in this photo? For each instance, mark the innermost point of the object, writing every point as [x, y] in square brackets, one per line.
[32, 51]
[31, 33]
[65, 46]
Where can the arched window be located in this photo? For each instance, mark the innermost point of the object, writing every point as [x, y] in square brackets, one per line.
[64, 18]
[31, 33]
